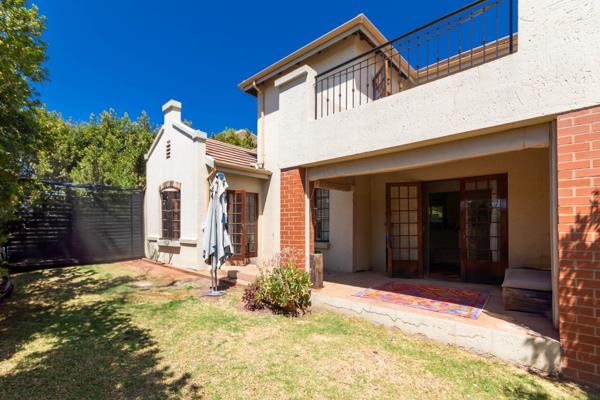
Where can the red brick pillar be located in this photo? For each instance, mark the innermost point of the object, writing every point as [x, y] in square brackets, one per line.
[578, 160]
[293, 216]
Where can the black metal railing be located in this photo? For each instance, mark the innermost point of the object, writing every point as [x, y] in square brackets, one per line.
[475, 34]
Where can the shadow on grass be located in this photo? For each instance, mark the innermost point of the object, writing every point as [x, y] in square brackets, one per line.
[522, 392]
[58, 345]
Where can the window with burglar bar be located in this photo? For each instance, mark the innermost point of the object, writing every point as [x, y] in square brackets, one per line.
[321, 215]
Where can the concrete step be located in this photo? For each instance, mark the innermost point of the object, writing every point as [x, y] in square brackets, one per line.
[239, 278]
[530, 350]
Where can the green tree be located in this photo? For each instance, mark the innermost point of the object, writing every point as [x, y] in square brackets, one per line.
[22, 53]
[56, 160]
[243, 137]
[110, 150]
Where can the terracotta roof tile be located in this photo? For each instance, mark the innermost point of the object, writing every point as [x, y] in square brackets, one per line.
[229, 154]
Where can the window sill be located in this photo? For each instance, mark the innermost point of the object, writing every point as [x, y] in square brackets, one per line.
[322, 245]
[169, 243]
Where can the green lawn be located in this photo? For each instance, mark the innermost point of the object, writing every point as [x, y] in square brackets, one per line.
[86, 332]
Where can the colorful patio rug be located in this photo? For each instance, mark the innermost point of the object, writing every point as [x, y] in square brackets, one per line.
[461, 302]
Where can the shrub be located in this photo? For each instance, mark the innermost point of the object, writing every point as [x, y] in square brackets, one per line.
[284, 289]
[249, 298]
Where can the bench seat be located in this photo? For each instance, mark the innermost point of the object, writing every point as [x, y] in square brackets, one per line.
[527, 290]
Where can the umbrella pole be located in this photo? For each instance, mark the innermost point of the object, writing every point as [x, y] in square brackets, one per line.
[214, 282]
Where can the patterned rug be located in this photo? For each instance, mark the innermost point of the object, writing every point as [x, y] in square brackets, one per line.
[461, 302]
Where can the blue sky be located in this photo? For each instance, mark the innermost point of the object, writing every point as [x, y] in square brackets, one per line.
[135, 55]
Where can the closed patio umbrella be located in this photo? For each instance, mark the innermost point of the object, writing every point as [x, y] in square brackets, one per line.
[216, 243]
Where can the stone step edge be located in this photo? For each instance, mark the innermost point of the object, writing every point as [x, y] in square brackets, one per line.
[243, 280]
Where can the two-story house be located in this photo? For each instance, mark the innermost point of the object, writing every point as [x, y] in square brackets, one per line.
[455, 151]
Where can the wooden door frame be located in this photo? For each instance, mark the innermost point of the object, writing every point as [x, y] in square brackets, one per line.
[257, 207]
[502, 183]
[388, 240]
[243, 256]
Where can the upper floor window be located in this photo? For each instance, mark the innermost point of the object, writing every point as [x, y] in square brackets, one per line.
[170, 196]
[321, 215]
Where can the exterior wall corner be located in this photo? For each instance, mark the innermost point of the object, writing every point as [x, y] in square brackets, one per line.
[578, 203]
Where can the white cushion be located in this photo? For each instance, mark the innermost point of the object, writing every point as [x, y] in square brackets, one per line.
[532, 279]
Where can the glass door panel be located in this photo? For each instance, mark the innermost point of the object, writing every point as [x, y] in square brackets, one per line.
[484, 228]
[251, 225]
[235, 221]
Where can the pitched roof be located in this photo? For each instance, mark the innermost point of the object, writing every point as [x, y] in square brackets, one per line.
[359, 23]
[225, 153]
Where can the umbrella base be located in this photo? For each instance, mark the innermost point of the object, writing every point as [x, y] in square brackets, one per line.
[213, 293]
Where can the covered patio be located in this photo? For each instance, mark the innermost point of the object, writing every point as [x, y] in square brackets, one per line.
[446, 217]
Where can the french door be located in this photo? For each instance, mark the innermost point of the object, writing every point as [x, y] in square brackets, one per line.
[484, 228]
[242, 213]
[404, 229]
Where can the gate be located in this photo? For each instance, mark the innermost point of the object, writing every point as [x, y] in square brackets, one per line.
[66, 223]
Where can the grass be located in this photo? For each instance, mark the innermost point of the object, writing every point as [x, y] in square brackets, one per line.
[85, 332]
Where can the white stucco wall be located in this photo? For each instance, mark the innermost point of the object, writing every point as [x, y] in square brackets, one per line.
[281, 117]
[269, 139]
[361, 247]
[338, 253]
[343, 89]
[358, 233]
[186, 166]
[528, 202]
[556, 69]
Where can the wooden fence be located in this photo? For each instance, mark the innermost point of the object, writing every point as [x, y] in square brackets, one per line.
[63, 224]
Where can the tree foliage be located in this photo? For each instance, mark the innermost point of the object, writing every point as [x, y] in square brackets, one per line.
[106, 150]
[243, 137]
[22, 53]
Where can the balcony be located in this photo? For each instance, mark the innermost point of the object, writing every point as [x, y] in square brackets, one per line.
[479, 33]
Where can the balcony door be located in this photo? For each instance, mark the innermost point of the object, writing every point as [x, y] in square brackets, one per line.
[404, 230]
